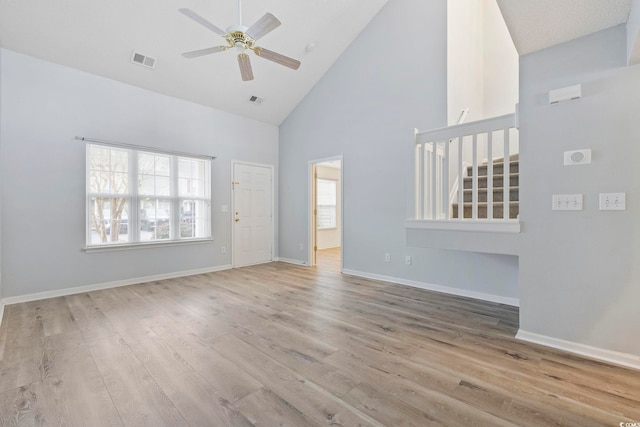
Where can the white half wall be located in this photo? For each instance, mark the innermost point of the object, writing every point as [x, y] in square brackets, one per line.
[44, 106]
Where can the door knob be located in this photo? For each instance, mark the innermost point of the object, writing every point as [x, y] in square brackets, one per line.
[237, 219]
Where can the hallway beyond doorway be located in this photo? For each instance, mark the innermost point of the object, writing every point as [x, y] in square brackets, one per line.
[329, 260]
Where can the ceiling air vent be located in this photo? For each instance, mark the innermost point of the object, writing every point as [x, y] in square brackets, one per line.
[145, 61]
[255, 100]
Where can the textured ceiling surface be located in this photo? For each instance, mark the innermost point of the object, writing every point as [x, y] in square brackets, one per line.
[99, 37]
[537, 24]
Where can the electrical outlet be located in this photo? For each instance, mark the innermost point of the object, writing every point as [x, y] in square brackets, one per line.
[223, 249]
[566, 202]
[613, 201]
[407, 260]
[387, 257]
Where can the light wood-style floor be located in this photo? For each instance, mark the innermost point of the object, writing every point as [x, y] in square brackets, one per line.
[278, 344]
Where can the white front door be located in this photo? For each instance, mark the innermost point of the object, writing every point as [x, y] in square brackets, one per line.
[252, 214]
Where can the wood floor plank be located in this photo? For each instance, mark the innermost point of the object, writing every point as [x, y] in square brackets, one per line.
[91, 321]
[198, 402]
[73, 381]
[223, 375]
[389, 410]
[278, 344]
[265, 408]
[56, 317]
[138, 398]
[301, 394]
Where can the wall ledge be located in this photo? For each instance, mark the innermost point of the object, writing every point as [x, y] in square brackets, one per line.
[492, 226]
[617, 358]
[515, 302]
[108, 285]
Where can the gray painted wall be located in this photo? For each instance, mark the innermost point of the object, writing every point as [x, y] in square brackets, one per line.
[362, 109]
[579, 271]
[43, 171]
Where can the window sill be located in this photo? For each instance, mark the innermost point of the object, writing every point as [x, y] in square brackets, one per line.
[128, 246]
[486, 226]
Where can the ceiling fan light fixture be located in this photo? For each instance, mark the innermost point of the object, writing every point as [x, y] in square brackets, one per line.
[242, 39]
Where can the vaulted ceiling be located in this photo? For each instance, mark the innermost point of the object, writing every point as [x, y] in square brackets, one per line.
[100, 36]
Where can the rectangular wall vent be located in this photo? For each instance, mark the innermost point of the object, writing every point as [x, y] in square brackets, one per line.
[144, 60]
[255, 100]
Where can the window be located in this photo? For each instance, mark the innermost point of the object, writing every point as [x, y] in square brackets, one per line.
[137, 196]
[327, 197]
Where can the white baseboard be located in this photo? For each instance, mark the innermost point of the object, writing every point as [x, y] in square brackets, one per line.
[437, 288]
[623, 359]
[292, 261]
[99, 286]
[1, 312]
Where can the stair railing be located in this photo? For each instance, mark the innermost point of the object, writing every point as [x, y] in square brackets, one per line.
[441, 157]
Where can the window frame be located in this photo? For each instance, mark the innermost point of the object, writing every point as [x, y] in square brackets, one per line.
[334, 205]
[134, 198]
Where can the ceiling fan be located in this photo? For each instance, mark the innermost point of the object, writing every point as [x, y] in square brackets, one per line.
[242, 38]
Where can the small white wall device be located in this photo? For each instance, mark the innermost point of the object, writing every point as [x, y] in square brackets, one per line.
[568, 93]
[577, 157]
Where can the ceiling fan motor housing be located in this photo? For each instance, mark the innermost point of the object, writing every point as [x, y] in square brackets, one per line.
[240, 40]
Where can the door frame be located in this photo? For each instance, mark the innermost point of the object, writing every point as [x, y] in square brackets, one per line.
[311, 205]
[233, 207]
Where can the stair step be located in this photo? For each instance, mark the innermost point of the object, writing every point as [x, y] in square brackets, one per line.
[498, 194]
[498, 169]
[514, 181]
[512, 158]
[498, 210]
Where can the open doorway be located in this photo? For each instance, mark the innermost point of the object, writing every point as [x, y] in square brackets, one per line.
[326, 214]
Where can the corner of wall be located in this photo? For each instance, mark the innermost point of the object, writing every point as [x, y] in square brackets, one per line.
[633, 34]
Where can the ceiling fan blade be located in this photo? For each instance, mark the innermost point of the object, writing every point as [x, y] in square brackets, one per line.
[200, 20]
[202, 52]
[277, 58]
[245, 67]
[263, 26]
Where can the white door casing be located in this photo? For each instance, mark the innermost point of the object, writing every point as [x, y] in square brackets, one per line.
[252, 214]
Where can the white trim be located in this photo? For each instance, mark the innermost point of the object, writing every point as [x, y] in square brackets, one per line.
[1, 311]
[618, 358]
[515, 302]
[156, 244]
[481, 225]
[465, 129]
[108, 285]
[292, 261]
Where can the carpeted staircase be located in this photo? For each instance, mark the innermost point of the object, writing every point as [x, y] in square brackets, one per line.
[498, 193]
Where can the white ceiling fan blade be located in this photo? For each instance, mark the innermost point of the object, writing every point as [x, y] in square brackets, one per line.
[202, 52]
[277, 58]
[263, 26]
[245, 67]
[200, 20]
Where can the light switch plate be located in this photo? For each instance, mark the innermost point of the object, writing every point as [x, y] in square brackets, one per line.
[566, 202]
[613, 201]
